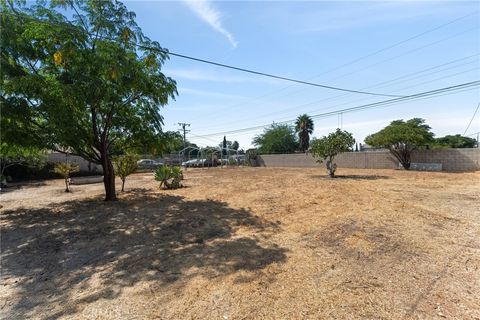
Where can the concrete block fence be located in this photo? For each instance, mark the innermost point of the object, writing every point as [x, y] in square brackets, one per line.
[455, 160]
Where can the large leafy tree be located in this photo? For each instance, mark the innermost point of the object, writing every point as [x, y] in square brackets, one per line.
[278, 138]
[328, 147]
[91, 85]
[456, 141]
[401, 138]
[304, 128]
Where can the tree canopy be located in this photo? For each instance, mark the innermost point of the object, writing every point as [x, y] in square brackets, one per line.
[91, 85]
[304, 127]
[230, 145]
[328, 147]
[278, 138]
[456, 141]
[401, 138]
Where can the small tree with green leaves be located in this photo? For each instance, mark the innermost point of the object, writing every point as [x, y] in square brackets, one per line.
[65, 169]
[328, 147]
[401, 138]
[124, 166]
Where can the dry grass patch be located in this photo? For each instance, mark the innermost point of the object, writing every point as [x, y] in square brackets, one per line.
[246, 243]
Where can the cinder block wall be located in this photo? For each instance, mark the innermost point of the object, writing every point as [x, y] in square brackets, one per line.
[84, 165]
[451, 159]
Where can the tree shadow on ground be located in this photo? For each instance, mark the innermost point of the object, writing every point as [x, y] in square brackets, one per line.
[352, 177]
[50, 254]
[13, 186]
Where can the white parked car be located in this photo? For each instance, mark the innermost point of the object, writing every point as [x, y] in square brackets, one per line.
[193, 163]
[149, 164]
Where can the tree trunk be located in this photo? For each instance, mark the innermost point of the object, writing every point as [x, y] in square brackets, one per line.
[123, 184]
[67, 189]
[108, 178]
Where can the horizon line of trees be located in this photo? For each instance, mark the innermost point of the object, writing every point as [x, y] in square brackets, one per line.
[284, 138]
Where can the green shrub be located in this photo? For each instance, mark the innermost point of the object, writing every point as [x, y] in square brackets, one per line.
[124, 166]
[169, 177]
[65, 169]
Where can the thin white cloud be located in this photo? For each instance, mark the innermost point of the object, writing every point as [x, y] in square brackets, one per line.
[210, 15]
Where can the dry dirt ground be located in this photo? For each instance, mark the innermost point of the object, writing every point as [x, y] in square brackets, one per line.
[246, 243]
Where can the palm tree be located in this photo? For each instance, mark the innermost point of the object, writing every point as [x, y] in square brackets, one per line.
[304, 127]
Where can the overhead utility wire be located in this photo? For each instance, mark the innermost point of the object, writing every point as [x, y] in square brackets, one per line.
[268, 74]
[364, 68]
[366, 106]
[471, 120]
[165, 51]
[411, 76]
[381, 106]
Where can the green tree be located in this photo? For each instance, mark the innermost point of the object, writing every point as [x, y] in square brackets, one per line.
[456, 141]
[91, 85]
[230, 145]
[278, 138]
[235, 145]
[304, 128]
[159, 144]
[14, 154]
[224, 146]
[328, 147]
[401, 138]
[65, 169]
[124, 166]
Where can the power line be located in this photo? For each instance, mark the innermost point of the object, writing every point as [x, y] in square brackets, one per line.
[471, 120]
[387, 83]
[374, 64]
[365, 106]
[269, 74]
[380, 106]
[373, 54]
[277, 76]
[167, 52]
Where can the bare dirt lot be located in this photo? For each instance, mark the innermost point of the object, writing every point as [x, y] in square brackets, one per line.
[246, 243]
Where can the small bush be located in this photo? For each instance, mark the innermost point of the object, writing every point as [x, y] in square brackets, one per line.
[124, 166]
[169, 177]
[65, 169]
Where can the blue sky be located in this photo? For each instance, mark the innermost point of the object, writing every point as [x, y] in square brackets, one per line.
[321, 42]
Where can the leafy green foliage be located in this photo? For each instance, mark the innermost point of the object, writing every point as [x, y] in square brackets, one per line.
[328, 147]
[91, 85]
[279, 138]
[230, 145]
[13, 154]
[304, 127]
[65, 169]
[169, 177]
[124, 166]
[455, 141]
[401, 138]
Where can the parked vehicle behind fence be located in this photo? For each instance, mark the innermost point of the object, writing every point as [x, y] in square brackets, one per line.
[149, 164]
